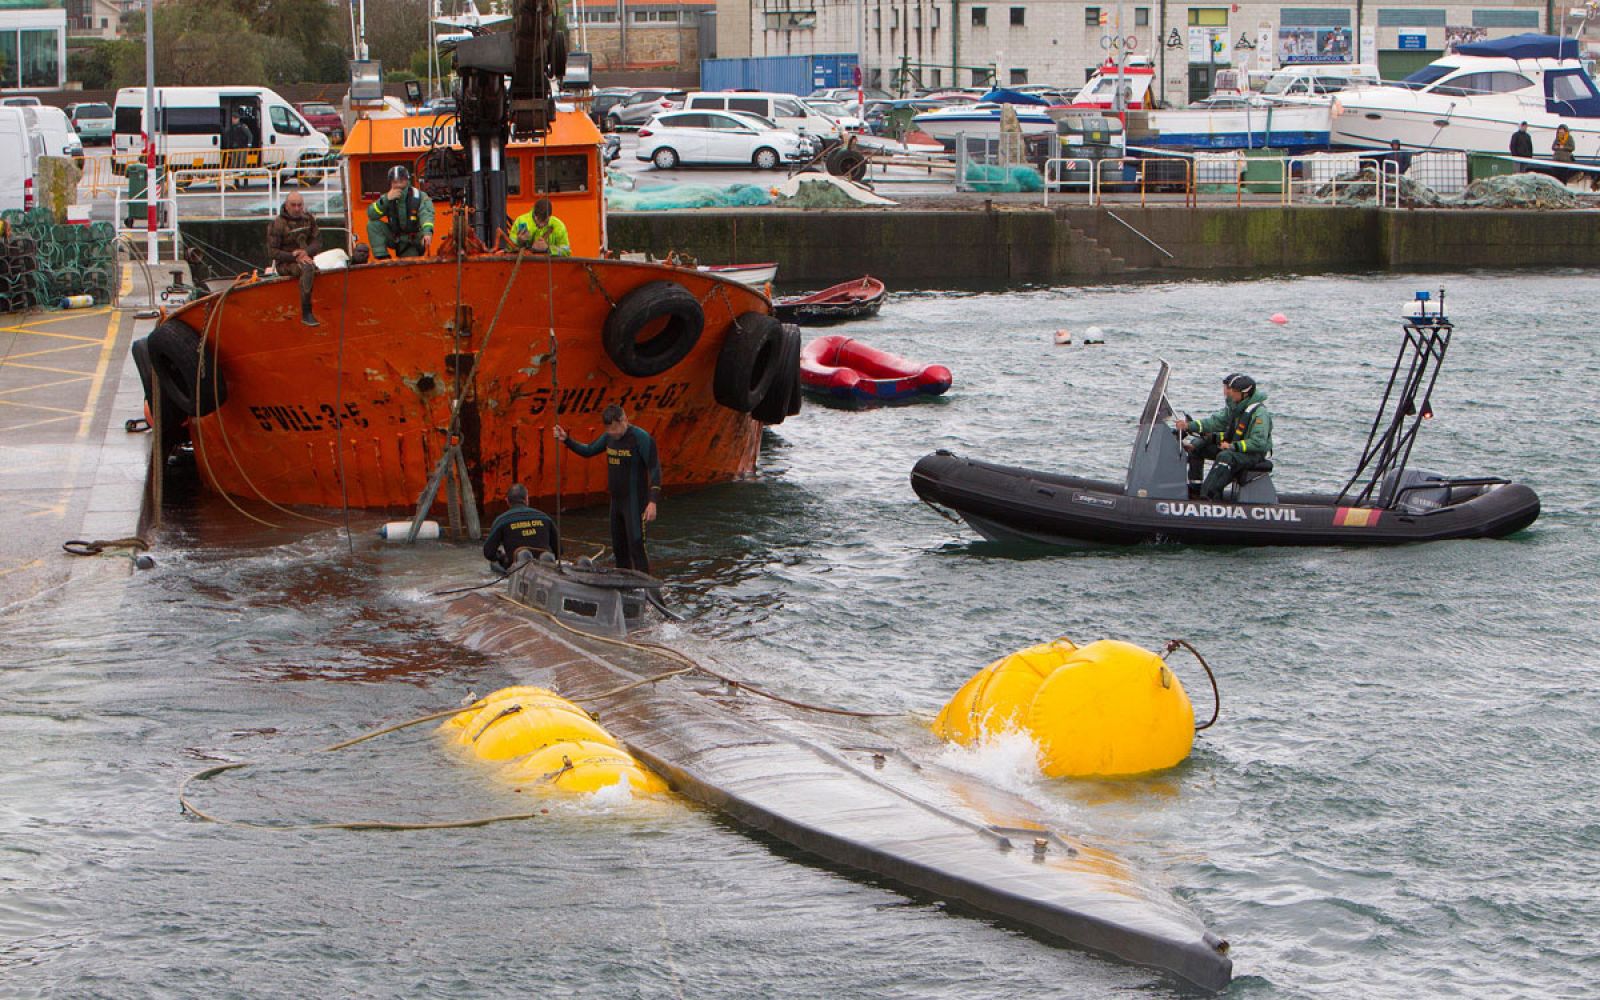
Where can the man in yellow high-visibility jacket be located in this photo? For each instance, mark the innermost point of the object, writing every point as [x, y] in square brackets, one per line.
[540, 232]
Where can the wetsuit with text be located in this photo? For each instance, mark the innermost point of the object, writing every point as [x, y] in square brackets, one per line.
[521, 527]
[633, 478]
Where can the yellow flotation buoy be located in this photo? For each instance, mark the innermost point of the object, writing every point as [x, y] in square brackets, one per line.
[550, 742]
[997, 697]
[581, 766]
[1108, 709]
[1112, 708]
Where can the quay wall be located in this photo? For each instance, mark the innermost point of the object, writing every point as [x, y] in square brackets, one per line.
[1008, 245]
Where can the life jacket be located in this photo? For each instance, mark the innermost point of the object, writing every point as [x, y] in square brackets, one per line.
[1243, 422]
[410, 205]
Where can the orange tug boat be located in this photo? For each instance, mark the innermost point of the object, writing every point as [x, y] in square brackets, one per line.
[486, 350]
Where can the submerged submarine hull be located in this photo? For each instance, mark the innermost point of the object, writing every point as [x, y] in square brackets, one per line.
[846, 795]
[1006, 503]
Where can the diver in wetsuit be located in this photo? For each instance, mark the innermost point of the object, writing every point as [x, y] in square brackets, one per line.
[1238, 436]
[521, 527]
[633, 478]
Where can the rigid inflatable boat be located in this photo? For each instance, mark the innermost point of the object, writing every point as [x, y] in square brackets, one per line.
[868, 795]
[1384, 503]
[847, 371]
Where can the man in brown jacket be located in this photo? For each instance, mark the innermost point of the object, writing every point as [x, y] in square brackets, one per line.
[292, 241]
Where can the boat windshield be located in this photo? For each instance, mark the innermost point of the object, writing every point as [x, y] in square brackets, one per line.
[1426, 75]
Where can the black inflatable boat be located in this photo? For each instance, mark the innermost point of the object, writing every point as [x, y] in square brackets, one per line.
[1384, 503]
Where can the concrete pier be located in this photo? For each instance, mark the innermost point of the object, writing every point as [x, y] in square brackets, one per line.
[1014, 240]
[68, 468]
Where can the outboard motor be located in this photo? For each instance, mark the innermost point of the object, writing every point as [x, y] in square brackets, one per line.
[1410, 491]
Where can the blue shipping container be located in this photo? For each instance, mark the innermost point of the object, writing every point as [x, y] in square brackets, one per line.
[779, 74]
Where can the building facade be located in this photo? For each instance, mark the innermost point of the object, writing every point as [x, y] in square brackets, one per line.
[905, 44]
[642, 35]
[33, 46]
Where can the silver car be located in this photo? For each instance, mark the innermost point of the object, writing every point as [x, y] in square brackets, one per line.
[643, 105]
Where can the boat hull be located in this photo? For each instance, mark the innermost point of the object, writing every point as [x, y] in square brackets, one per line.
[850, 796]
[947, 128]
[846, 301]
[1012, 504]
[357, 411]
[1371, 118]
[1294, 129]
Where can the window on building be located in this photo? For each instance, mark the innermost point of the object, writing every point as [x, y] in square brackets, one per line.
[1019, 76]
[1208, 17]
[935, 19]
[1018, 16]
[938, 78]
[1091, 16]
[1141, 17]
[980, 17]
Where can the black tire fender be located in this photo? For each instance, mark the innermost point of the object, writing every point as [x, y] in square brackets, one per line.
[843, 161]
[174, 349]
[669, 319]
[749, 361]
[782, 398]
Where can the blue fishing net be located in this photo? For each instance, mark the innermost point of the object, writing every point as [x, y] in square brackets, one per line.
[1003, 180]
[687, 196]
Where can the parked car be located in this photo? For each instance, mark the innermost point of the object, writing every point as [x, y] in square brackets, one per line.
[20, 102]
[325, 118]
[603, 100]
[844, 114]
[785, 110]
[643, 105]
[52, 125]
[190, 122]
[19, 152]
[682, 137]
[92, 122]
[848, 94]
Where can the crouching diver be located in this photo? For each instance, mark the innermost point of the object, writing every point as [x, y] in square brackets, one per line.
[633, 479]
[521, 527]
[1238, 436]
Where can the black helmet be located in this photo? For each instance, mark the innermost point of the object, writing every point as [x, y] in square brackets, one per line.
[398, 172]
[1240, 383]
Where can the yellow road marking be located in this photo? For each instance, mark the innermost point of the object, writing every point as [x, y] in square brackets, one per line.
[37, 423]
[57, 371]
[30, 564]
[127, 281]
[78, 377]
[67, 316]
[46, 333]
[40, 406]
[55, 350]
[99, 374]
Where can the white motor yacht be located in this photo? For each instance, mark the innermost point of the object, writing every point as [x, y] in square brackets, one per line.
[1474, 99]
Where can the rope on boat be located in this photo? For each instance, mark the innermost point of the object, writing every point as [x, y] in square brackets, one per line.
[1216, 693]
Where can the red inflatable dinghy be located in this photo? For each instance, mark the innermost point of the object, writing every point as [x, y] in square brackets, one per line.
[849, 371]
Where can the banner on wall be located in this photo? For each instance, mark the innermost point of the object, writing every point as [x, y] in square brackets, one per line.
[1457, 34]
[1315, 45]
[1210, 45]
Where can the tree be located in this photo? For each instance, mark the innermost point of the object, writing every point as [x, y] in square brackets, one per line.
[198, 44]
[396, 29]
[94, 64]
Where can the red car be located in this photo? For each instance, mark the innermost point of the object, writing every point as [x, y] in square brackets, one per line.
[325, 118]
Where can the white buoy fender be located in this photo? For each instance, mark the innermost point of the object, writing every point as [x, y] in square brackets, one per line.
[395, 531]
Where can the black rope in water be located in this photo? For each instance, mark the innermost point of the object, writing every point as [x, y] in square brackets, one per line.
[466, 590]
[1216, 694]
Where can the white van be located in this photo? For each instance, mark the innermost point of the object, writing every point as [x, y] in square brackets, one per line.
[191, 121]
[786, 110]
[20, 149]
[55, 128]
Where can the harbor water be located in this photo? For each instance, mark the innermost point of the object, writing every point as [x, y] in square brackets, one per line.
[1398, 800]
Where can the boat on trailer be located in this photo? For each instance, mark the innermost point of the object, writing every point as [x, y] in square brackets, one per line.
[866, 795]
[1383, 503]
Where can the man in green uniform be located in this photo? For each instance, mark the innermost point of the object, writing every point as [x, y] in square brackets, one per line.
[540, 232]
[401, 220]
[1238, 436]
[520, 527]
[292, 240]
[633, 478]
